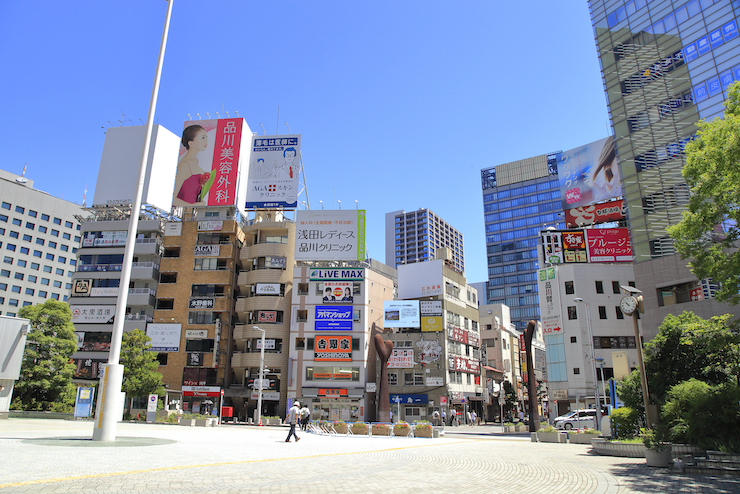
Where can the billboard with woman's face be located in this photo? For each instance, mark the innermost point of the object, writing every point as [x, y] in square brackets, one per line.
[208, 171]
[589, 174]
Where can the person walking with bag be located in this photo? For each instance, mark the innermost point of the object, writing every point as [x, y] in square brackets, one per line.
[292, 419]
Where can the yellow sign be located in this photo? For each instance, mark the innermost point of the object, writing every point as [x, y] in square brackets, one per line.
[431, 323]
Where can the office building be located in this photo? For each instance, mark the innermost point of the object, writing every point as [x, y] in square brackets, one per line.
[39, 238]
[415, 237]
[665, 65]
[519, 200]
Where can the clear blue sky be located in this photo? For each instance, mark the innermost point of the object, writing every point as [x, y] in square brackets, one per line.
[400, 104]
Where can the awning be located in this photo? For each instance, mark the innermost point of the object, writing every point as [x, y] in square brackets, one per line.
[492, 369]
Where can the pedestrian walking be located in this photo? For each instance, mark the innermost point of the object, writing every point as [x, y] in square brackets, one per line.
[305, 417]
[453, 417]
[435, 417]
[444, 417]
[469, 418]
[292, 419]
[474, 416]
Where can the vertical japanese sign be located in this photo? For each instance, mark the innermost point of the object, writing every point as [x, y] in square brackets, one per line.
[208, 172]
[330, 235]
[274, 169]
[550, 301]
[609, 245]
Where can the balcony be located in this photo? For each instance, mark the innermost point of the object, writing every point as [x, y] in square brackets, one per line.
[145, 270]
[148, 246]
[248, 304]
[264, 275]
[140, 296]
[264, 249]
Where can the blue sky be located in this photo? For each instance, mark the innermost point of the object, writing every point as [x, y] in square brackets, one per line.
[400, 104]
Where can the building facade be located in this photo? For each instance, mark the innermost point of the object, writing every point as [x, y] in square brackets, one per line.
[665, 65]
[519, 200]
[415, 237]
[39, 238]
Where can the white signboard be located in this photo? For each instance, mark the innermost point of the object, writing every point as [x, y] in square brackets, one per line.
[269, 345]
[267, 289]
[165, 337]
[401, 359]
[196, 333]
[421, 279]
[267, 395]
[108, 291]
[550, 311]
[330, 235]
[371, 387]
[433, 308]
[206, 250]
[401, 314]
[274, 168]
[152, 403]
[93, 313]
[210, 226]
[435, 381]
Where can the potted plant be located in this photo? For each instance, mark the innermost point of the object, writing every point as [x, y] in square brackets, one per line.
[401, 429]
[423, 429]
[657, 448]
[521, 427]
[340, 426]
[583, 437]
[359, 428]
[381, 429]
[509, 427]
[549, 435]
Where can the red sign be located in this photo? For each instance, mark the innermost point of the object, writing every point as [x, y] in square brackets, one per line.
[267, 316]
[609, 245]
[696, 294]
[522, 344]
[594, 214]
[332, 348]
[201, 393]
[443, 400]
[470, 366]
[333, 393]
[457, 334]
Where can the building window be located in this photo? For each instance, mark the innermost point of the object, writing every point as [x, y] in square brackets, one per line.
[32, 213]
[602, 312]
[572, 312]
[599, 287]
[392, 378]
[165, 304]
[168, 278]
[42, 229]
[57, 221]
[6, 205]
[44, 217]
[19, 209]
[576, 370]
[620, 314]
[302, 288]
[301, 315]
[413, 379]
[569, 288]
[573, 339]
[615, 287]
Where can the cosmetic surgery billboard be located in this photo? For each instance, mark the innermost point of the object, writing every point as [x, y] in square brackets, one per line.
[331, 235]
[589, 174]
[208, 168]
[274, 167]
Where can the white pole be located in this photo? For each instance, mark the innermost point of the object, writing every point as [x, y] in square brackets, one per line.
[109, 399]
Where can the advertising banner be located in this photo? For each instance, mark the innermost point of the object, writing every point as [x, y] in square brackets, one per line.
[550, 302]
[332, 348]
[84, 401]
[267, 289]
[433, 308]
[609, 245]
[196, 333]
[338, 291]
[409, 399]
[434, 381]
[432, 323]
[201, 303]
[208, 171]
[337, 274]
[333, 318]
[429, 351]
[330, 235]
[275, 262]
[274, 168]
[420, 279]
[457, 334]
[81, 288]
[87, 368]
[589, 174]
[210, 226]
[401, 359]
[100, 314]
[567, 246]
[116, 238]
[201, 391]
[401, 314]
[267, 316]
[165, 337]
[269, 344]
[595, 214]
[467, 365]
[206, 250]
[104, 291]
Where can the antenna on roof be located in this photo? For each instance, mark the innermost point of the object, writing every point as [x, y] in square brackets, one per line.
[84, 197]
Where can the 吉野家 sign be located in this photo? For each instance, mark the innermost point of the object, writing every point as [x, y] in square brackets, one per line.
[332, 348]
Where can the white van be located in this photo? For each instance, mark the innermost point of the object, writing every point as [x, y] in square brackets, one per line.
[580, 419]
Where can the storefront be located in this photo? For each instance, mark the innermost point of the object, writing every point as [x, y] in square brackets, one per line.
[203, 400]
[347, 404]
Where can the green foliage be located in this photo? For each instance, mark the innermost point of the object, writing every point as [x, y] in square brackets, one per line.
[629, 390]
[687, 347]
[510, 398]
[655, 439]
[699, 413]
[140, 376]
[549, 428]
[710, 229]
[624, 423]
[46, 371]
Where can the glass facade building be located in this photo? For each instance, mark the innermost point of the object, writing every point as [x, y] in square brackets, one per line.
[665, 65]
[522, 201]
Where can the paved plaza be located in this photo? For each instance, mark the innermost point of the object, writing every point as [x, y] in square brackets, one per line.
[57, 456]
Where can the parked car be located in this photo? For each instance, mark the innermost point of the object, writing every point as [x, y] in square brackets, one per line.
[580, 419]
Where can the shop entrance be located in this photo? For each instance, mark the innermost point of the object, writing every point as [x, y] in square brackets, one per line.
[346, 410]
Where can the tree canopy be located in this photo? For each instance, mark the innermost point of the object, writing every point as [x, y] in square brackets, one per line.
[708, 233]
[140, 376]
[45, 382]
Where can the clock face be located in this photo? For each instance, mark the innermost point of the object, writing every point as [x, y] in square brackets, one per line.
[628, 304]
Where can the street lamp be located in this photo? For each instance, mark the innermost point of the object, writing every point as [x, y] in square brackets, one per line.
[579, 300]
[258, 418]
[322, 204]
[600, 361]
[340, 203]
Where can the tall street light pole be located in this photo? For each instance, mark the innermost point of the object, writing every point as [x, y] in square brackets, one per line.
[258, 418]
[109, 396]
[579, 300]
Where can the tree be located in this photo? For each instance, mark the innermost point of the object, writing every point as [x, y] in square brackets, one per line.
[629, 390]
[140, 376]
[709, 231]
[510, 398]
[687, 347]
[46, 371]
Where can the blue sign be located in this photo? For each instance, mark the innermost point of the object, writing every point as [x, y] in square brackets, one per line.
[333, 318]
[409, 399]
[84, 401]
[713, 86]
[715, 38]
[729, 30]
[726, 79]
[736, 71]
[689, 52]
[703, 45]
[700, 92]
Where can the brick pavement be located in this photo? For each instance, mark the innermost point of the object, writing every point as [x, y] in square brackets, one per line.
[57, 457]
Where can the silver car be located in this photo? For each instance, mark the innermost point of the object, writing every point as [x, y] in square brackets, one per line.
[580, 419]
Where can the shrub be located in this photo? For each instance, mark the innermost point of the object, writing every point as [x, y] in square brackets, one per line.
[548, 429]
[401, 425]
[707, 416]
[589, 431]
[655, 439]
[624, 423]
[423, 426]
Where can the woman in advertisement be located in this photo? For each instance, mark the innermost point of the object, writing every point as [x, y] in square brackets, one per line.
[347, 295]
[192, 183]
[607, 185]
